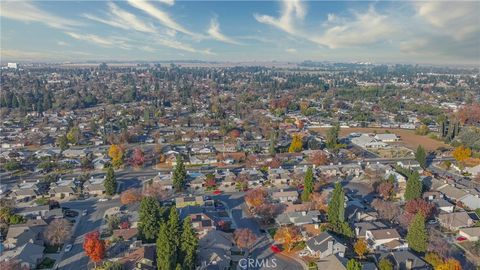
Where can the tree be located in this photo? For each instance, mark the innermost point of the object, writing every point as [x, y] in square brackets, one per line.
[385, 264]
[110, 182]
[414, 187]
[307, 185]
[385, 189]
[112, 266]
[332, 137]
[288, 235]
[12, 165]
[150, 217]
[138, 158]
[352, 264]
[155, 190]
[166, 250]
[319, 201]
[210, 181]
[336, 207]
[421, 156]
[360, 248]
[115, 152]
[173, 225]
[461, 153]
[130, 196]
[73, 136]
[62, 142]
[244, 238]
[179, 174]
[273, 144]
[420, 206]
[296, 145]
[255, 197]
[386, 210]
[417, 235]
[318, 158]
[94, 247]
[267, 211]
[434, 259]
[189, 245]
[58, 232]
[449, 264]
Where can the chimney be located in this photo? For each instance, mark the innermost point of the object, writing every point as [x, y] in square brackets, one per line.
[357, 231]
[409, 264]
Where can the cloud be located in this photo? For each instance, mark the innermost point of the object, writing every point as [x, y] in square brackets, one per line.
[122, 19]
[26, 11]
[455, 18]
[365, 28]
[292, 10]
[175, 44]
[214, 32]
[291, 50]
[62, 43]
[108, 42]
[160, 15]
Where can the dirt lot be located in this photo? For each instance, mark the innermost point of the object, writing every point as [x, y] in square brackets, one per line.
[408, 137]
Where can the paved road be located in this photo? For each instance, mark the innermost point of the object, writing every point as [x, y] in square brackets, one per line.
[261, 250]
[76, 259]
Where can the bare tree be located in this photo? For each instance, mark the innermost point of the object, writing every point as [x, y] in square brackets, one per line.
[387, 210]
[58, 231]
[244, 238]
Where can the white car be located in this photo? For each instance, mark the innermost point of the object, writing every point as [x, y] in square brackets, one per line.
[303, 253]
[68, 247]
[84, 212]
[103, 200]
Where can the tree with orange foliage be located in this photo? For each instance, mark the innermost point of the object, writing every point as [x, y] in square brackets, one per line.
[255, 197]
[360, 248]
[94, 247]
[130, 195]
[319, 200]
[449, 264]
[461, 153]
[296, 145]
[115, 152]
[244, 238]
[318, 158]
[288, 236]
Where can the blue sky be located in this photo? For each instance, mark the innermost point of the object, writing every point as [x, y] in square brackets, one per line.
[381, 31]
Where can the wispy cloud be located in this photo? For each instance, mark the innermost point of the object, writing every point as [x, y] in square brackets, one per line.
[292, 10]
[26, 11]
[120, 18]
[214, 32]
[162, 16]
[108, 42]
[175, 44]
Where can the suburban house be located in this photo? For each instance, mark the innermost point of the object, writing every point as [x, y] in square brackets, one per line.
[215, 251]
[285, 196]
[361, 228]
[325, 244]
[189, 201]
[202, 224]
[29, 255]
[299, 218]
[386, 137]
[384, 239]
[20, 234]
[456, 220]
[472, 234]
[403, 260]
[94, 186]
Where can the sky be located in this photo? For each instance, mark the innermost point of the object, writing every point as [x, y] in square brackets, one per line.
[426, 32]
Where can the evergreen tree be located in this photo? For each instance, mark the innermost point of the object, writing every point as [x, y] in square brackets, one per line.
[414, 187]
[417, 235]
[421, 156]
[189, 245]
[332, 136]
[352, 264]
[166, 257]
[110, 182]
[273, 142]
[150, 217]
[307, 185]
[179, 174]
[336, 207]
[174, 230]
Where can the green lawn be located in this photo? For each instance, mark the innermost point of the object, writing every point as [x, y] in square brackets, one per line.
[46, 263]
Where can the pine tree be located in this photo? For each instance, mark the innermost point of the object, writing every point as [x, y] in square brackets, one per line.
[417, 235]
[110, 182]
[332, 136]
[336, 207]
[414, 187]
[421, 156]
[179, 174]
[273, 143]
[174, 230]
[189, 245]
[150, 217]
[307, 185]
[166, 257]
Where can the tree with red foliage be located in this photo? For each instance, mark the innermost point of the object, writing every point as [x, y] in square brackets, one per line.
[469, 114]
[255, 197]
[210, 181]
[94, 247]
[138, 158]
[413, 207]
[244, 238]
[130, 195]
[385, 189]
[318, 158]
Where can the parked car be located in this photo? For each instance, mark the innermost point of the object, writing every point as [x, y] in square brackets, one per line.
[275, 249]
[68, 247]
[103, 200]
[461, 238]
[84, 212]
[432, 222]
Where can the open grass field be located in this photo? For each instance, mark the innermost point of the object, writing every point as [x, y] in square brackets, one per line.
[408, 137]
